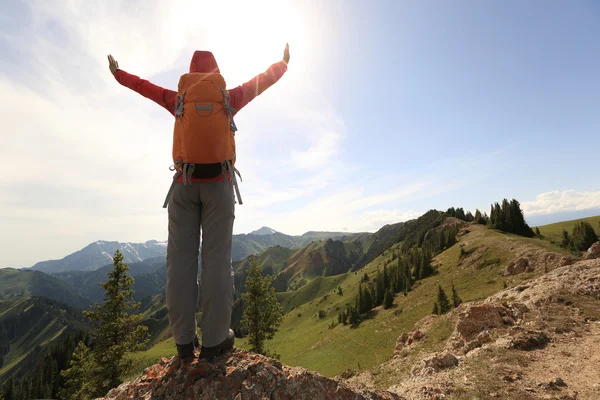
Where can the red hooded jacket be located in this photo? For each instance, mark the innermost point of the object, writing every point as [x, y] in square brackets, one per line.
[204, 61]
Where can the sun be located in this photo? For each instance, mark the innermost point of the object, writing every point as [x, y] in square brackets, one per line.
[247, 36]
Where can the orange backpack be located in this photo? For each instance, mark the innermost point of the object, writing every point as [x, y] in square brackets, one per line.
[204, 128]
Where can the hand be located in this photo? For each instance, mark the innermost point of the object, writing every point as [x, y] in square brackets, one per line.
[286, 53]
[113, 65]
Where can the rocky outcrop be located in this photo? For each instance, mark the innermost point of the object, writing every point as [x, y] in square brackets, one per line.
[539, 339]
[518, 267]
[593, 252]
[239, 376]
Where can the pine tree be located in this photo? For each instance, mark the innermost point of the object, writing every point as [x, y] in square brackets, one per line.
[263, 313]
[426, 269]
[456, 300]
[436, 309]
[388, 299]
[583, 235]
[117, 330]
[566, 240]
[537, 232]
[360, 302]
[340, 291]
[368, 301]
[354, 316]
[379, 293]
[80, 378]
[442, 301]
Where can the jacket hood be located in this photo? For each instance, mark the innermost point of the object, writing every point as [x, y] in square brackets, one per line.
[204, 62]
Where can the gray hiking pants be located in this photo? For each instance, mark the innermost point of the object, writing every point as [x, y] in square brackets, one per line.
[207, 207]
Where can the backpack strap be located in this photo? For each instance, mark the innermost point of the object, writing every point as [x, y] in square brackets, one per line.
[229, 110]
[226, 166]
[170, 192]
[179, 104]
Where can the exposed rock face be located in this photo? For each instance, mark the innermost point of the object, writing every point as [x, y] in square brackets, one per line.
[241, 375]
[593, 252]
[473, 325]
[518, 267]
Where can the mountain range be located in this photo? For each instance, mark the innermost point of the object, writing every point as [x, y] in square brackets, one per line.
[99, 254]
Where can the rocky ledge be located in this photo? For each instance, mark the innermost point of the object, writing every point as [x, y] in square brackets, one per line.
[239, 376]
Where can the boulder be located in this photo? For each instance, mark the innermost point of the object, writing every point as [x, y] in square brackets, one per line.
[593, 252]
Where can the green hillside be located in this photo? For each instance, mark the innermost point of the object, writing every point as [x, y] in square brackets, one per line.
[28, 326]
[553, 232]
[16, 283]
[306, 340]
[310, 335]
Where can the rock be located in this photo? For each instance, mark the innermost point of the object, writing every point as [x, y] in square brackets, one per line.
[240, 375]
[558, 382]
[479, 318]
[593, 252]
[567, 260]
[406, 340]
[435, 363]
[529, 340]
[518, 267]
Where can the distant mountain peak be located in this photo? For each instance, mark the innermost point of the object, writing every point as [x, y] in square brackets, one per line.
[265, 230]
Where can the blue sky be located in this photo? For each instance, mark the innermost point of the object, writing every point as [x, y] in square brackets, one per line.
[389, 109]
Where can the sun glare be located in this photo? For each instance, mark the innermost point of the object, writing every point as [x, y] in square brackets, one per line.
[247, 36]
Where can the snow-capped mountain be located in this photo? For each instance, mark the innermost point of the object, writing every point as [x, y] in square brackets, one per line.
[100, 253]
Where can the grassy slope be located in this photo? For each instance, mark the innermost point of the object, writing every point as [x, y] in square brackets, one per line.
[15, 283]
[46, 330]
[306, 341]
[553, 232]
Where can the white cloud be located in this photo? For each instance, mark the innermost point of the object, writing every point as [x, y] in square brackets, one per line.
[560, 201]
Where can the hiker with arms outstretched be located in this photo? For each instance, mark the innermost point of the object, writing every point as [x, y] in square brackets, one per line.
[202, 196]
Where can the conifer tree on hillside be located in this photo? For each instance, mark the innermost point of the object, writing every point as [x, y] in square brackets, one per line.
[469, 217]
[456, 300]
[509, 218]
[537, 232]
[263, 314]
[442, 301]
[436, 309]
[583, 235]
[566, 240]
[117, 330]
[388, 299]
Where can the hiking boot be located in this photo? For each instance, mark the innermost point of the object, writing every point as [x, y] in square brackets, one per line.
[210, 353]
[185, 352]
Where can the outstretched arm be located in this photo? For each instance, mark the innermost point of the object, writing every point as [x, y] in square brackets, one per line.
[244, 94]
[164, 97]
